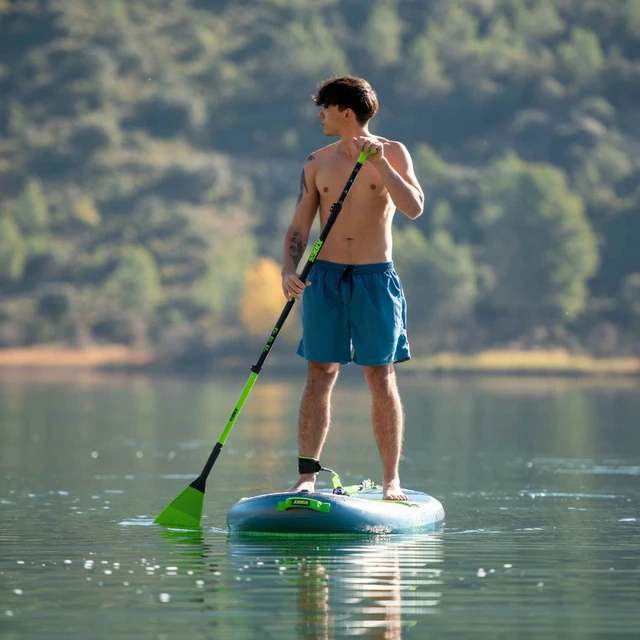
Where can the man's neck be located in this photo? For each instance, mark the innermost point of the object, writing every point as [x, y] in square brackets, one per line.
[346, 139]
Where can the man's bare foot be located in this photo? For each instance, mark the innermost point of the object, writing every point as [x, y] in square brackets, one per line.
[392, 491]
[307, 482]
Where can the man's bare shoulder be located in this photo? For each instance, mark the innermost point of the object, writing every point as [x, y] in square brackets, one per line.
[323, 153]
[393, 146]
[397, 154]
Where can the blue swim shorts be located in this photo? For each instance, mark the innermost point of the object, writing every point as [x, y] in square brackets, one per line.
[354, 313]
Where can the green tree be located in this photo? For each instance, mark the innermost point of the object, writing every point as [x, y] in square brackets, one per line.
[581, 57]
[135, 284]
[538, 241]
[430, 168]
[438, 275]
[32, 212]
[442, 215]
[135, 287]
[220, 289]
[537, 21]
[301, 47]
[423, 72]
[382, 33]
[13, 252]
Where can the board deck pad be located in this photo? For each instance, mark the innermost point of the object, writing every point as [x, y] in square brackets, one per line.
[323, 512]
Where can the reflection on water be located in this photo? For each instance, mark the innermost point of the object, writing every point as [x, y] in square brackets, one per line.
[538, 478]
[373, 587]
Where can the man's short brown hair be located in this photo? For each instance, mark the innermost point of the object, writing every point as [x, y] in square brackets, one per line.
[349, 92]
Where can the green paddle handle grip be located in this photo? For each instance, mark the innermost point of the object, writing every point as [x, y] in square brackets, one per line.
[363, 156]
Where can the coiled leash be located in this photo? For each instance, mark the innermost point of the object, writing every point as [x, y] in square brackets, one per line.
[311, 465]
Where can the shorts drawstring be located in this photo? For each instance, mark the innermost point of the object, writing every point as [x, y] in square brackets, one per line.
[347, 276]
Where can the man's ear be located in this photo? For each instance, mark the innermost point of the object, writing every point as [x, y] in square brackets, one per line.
[348, 114]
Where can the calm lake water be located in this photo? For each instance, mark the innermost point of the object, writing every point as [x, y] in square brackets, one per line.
[540, 480]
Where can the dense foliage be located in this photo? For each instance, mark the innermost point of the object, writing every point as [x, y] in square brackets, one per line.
[149, 153]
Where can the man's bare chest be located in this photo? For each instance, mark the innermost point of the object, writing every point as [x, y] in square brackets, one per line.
[368, 188]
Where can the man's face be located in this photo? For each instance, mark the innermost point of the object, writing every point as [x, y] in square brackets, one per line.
[332, 120]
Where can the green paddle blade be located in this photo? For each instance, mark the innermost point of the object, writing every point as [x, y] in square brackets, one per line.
[184, 511]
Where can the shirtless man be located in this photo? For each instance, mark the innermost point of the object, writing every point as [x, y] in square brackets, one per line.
[354, 308]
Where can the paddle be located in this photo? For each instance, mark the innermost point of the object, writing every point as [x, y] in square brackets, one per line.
[186, 509]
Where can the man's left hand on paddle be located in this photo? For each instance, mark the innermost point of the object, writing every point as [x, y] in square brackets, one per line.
[293, 287]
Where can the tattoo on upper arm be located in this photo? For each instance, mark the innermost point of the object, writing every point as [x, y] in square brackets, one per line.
[296, 247]
[303, 181]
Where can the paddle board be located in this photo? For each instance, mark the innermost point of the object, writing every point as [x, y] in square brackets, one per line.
[323, 512]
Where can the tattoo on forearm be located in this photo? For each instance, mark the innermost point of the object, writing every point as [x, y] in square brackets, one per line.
[297, 245]
[303, 181]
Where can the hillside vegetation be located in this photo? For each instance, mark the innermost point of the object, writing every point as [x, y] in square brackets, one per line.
[149, 155]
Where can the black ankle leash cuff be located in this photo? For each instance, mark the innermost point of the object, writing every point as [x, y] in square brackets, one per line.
[308, 465]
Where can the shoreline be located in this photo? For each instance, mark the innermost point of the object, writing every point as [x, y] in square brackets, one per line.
[551, 362]
[57, 357]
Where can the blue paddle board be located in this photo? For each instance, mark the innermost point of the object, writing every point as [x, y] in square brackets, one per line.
[323, 512]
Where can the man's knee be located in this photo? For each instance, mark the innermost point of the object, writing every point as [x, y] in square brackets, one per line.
[322, 375]
[381, 379]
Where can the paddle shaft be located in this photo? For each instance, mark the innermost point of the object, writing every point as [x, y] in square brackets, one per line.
[200, 481]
